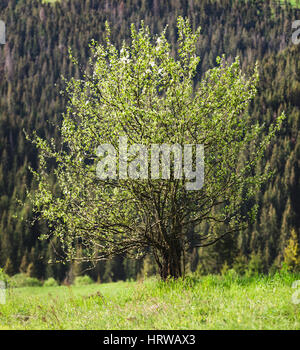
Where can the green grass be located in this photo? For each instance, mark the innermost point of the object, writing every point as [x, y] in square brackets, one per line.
[210, 302]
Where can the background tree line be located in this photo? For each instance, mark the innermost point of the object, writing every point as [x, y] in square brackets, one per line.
[36, 56]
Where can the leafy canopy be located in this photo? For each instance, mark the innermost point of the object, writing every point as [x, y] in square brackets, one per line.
[145, 94]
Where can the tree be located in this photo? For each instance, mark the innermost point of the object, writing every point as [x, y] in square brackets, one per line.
[138, 98]
[291, 253]
[9, 268]
[24, 263]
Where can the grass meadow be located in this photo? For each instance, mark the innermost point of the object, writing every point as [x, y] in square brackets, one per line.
[209, 303]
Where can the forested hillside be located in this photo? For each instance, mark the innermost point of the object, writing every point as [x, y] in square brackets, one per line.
[35, 58]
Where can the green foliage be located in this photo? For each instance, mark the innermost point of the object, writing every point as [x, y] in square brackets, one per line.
[22, 280]
[225, 268]
[200, 270]
[140, 93]
[4, 277]
[50, 282]
[240, 264]
[256, 265]
[83, 280]
[291, 254]
[8, 268]
[30, 270]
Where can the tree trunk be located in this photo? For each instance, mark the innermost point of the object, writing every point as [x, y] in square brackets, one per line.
[170, 265]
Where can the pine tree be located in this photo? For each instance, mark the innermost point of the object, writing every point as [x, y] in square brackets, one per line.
[291, 256]
[9, 268]
[24, 263]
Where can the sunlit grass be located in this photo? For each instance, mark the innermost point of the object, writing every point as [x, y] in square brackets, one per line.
[210, 302]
